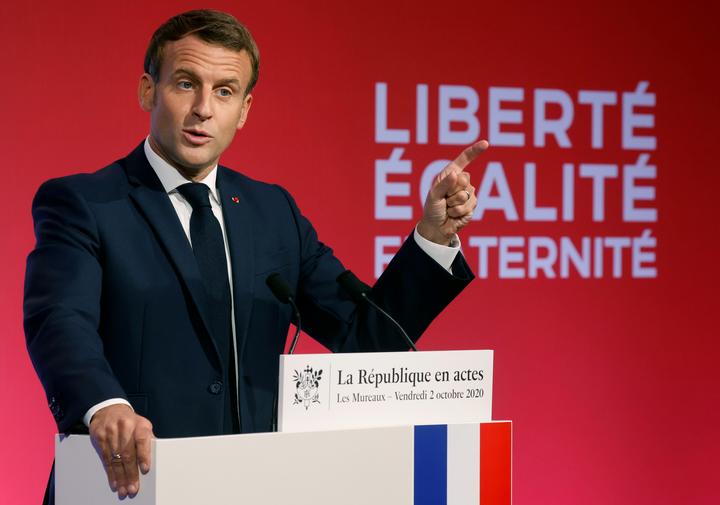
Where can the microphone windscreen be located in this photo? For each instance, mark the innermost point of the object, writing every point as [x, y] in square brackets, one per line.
[354, 286]
[279, 287]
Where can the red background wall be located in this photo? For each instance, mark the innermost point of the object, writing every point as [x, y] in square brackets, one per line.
[612, 383]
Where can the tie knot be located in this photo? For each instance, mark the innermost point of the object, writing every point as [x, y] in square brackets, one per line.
[197, 194]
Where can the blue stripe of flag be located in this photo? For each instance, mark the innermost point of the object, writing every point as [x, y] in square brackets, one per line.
[431, 465]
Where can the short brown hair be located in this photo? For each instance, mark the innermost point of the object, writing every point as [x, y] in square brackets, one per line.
[213, 27]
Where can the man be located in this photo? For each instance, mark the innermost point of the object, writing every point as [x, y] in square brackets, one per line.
[146, 307]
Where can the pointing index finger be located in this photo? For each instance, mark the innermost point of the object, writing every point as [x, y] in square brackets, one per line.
[469, 154]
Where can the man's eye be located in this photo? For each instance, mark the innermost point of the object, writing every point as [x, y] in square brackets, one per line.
[185, 85]
[224, 92]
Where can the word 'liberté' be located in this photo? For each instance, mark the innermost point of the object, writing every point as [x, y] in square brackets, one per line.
[458, 106]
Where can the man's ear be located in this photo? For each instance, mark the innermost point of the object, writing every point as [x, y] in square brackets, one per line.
[247, 102]
[146, 92]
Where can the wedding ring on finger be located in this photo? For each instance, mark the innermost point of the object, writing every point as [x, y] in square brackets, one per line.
[468, 194]
[116, 456]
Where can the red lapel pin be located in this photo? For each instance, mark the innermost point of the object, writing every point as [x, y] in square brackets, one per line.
[235, 199]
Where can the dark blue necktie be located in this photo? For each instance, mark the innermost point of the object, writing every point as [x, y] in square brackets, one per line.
[209, 249]
[207, 242]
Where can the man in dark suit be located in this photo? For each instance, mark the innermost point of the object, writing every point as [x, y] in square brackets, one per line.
[146, 307]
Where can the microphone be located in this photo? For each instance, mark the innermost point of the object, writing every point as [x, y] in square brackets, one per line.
[283, 292]
[358, 291]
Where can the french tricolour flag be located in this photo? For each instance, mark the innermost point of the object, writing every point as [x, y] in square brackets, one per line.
[463, 464]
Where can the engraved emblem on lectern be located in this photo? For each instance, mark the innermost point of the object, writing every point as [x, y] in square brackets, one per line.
[307, 387]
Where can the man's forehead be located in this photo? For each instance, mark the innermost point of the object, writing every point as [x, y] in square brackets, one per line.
[193, 53]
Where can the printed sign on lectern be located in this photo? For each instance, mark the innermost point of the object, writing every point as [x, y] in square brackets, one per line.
[363, 390]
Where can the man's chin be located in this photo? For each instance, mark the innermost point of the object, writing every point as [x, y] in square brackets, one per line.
[195, 162]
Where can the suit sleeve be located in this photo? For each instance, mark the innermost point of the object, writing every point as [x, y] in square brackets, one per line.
[414, 289]
[63, 289]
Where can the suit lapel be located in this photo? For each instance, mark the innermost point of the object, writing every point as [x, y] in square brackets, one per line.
[237, 213]
[154, 203]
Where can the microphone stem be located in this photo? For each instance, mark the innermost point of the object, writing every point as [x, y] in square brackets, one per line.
[377, 307]
[298, 326]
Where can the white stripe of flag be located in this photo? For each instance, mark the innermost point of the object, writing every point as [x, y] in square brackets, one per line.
[463, 464]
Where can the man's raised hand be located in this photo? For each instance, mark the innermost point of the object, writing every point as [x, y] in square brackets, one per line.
[122, 440]
[451, 200]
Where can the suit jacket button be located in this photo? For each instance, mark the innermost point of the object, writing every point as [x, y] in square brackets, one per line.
[216, 387]
[55, 409]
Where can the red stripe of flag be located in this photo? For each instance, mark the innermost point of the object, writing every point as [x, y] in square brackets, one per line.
[495, 463]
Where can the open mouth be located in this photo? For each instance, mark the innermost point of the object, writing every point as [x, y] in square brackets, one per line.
[197, 137]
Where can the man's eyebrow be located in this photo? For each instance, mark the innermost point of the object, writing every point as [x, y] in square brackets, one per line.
[185, 71]
[230, 81]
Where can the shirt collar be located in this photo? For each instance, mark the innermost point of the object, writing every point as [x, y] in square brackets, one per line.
[170, 178]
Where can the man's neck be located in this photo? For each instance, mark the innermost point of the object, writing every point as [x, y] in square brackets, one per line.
[188, 173]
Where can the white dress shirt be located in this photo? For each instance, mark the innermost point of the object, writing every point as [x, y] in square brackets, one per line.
[170, 178]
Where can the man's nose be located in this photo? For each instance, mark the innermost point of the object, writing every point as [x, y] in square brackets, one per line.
[202, 108]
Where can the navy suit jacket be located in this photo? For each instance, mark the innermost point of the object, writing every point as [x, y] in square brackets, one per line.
[115, 306]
